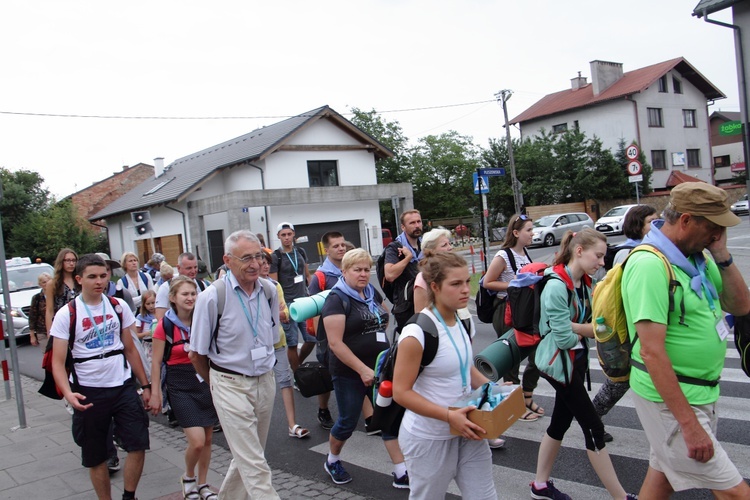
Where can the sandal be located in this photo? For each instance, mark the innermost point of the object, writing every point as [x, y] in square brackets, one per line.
[189, 488]
[298, 432]
[206, 493]
[529, 416]
[532, 406]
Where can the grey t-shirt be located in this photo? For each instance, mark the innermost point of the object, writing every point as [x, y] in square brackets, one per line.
[289, 267]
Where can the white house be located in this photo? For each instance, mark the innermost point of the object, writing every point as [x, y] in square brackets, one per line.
[315, 170]
[662, 107]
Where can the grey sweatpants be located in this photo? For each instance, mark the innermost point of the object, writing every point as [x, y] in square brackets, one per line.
[432, 464]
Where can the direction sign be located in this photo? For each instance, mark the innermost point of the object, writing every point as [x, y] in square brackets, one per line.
[632, 152]
[635, 178]
[485, 187]
[634, 167]
[492, 171]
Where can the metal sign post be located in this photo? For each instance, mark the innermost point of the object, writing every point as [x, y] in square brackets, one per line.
[634, 169]
[11, 332]
[481, 190]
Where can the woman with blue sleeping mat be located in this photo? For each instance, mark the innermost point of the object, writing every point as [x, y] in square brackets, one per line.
[563, 358]
[433, 455]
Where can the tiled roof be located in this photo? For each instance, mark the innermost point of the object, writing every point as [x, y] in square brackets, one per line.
[676, 177]
[706, 7]
[729, 116]
[631, 82]
[185, 174]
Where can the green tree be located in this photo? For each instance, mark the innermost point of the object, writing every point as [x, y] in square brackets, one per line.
[388, 170]
[442, 169]
[43, 233]
[22, 194]
[500, 198]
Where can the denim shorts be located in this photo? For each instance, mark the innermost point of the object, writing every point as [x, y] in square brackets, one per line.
[292, 331]
[350, 394]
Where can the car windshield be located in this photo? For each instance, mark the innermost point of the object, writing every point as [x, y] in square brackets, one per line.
[616, 212]
[25, 278]
[545, 221]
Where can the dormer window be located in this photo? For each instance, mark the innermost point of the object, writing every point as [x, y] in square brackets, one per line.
[663, 84]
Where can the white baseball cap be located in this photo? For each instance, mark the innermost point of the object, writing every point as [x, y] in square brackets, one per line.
[284, 225]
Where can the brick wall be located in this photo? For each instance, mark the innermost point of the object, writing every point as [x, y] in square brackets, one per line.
[96, 197]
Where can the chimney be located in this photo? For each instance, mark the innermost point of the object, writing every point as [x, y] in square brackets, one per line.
[604, 74]
[578, 82]
[125, 167]
[158, 166]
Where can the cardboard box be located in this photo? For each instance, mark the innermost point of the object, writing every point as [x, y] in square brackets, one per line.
[498, 420]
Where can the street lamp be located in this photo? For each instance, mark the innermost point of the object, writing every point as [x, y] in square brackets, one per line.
[502, 98]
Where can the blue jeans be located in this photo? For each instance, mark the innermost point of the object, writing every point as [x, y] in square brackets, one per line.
[350, 394]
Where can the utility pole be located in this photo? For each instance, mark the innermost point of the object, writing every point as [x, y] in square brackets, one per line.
[502, 98]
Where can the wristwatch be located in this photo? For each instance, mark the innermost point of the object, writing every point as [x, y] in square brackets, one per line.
[726, 263]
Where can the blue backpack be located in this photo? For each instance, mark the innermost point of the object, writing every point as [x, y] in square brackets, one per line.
[143, 276]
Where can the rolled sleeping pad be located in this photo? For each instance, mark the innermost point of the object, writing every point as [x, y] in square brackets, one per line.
[308, 307]
[499, 357]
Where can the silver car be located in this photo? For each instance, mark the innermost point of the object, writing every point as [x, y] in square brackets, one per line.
[550, 229]
[740, 207]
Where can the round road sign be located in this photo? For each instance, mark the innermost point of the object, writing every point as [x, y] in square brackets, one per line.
[634, 167]
[632, 152]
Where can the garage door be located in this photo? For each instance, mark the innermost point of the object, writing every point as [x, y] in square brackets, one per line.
[350, 230]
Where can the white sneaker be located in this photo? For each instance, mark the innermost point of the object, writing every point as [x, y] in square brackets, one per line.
[496, 443]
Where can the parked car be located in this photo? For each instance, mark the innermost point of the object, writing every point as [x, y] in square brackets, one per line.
[611, 222]
[740, 207]
[22, 286]
[550, 229]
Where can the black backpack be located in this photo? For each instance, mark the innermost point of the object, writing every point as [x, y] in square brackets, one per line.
[742, 341]
[485, 299]
[609, 257]
[385, 285]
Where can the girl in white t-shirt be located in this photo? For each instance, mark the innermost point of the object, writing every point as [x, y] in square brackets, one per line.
[433, 455]
[499, 275]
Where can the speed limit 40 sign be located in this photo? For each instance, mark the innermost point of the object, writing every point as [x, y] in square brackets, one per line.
[632, 152]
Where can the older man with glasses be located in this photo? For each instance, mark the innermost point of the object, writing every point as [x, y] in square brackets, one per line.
[231, 346]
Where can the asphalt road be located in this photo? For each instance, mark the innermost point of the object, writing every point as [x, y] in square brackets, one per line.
[514, 465]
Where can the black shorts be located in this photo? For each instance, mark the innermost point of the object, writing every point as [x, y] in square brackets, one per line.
[91, 427]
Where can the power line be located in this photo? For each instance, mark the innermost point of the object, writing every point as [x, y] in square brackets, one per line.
[121, 117]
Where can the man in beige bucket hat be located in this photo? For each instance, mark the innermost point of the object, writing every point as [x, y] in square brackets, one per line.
[681, 341]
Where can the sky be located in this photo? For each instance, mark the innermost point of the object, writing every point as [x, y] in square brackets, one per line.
[433, 66]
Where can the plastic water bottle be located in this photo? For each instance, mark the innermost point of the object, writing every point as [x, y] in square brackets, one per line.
[608, 346]
[385, 394]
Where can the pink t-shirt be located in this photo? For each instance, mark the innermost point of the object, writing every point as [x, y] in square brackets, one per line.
[178, 355]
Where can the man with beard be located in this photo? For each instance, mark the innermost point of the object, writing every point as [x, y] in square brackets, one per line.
[401, 265]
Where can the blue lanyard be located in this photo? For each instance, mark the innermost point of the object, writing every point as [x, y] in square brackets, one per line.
[581, 305]
[463, 363]
[99, 334]
[253, 326]
[295, 263]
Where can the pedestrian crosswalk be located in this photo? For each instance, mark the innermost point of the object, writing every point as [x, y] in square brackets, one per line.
[514, 465]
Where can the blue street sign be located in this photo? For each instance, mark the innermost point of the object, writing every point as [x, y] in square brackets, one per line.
[485, 188]
[492, 171]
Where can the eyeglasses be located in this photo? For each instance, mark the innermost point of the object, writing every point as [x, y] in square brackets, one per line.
[259, 257]
[70, 260]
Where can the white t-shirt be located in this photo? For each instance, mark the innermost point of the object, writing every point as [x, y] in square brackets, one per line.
[136, 287]
[508, 275]
[440, 382]
[104, 372]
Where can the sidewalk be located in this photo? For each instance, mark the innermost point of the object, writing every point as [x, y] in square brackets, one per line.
[41, 461]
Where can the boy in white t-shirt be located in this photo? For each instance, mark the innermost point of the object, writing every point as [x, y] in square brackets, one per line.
[102, 389]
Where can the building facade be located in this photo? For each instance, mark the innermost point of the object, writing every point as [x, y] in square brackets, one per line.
[662, 107]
